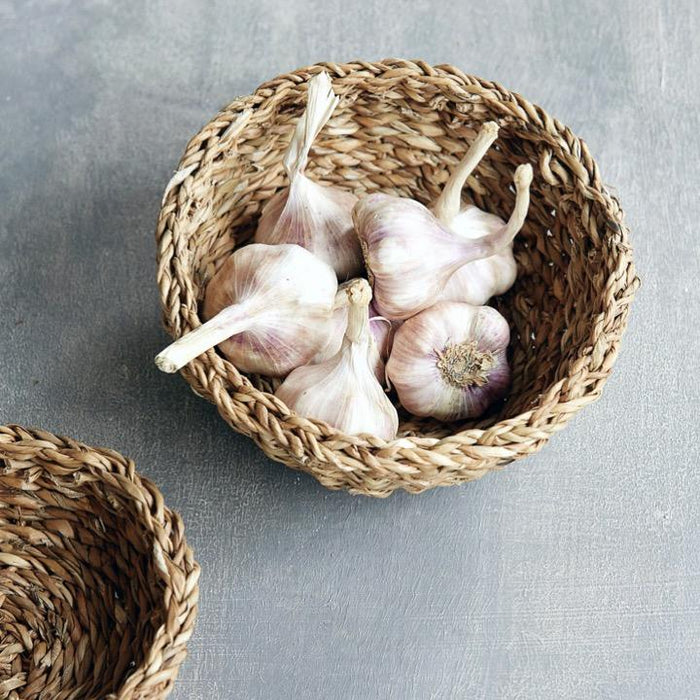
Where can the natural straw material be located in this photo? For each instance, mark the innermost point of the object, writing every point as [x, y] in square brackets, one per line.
[98, 588]
[401, 127]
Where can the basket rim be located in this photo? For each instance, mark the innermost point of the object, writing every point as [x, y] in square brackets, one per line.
[483, 448]
[172, 558]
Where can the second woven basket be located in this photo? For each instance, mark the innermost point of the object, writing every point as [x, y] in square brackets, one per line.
[98, 588]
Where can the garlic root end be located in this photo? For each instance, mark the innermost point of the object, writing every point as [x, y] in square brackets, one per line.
[164, 364]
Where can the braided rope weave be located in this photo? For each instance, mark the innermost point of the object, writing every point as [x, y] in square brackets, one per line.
[98, 588]
[400, 127]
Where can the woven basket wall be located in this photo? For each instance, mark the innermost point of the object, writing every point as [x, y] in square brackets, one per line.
[400, 128]
[98, 588]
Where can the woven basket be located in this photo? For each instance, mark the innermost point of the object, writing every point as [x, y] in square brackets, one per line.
[400, 127]
[98, 588]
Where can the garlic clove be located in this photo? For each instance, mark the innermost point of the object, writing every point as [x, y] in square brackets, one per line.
[268, 308]
[343, 391]
[317, 217]
[477, 282]
[449, 361]
[410, 254]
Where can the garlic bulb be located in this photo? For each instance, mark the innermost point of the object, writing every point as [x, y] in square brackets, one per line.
[410, 254]
[343, 391]
[380, 332]
[449, 361]
[316, 217]
[269, 309]
[478, 281]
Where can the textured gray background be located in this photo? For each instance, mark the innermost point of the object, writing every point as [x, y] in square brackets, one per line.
[574, 574]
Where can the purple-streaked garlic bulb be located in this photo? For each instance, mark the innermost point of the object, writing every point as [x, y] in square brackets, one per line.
[449, 361]
[316, 217]
[411, 254]
[478, 281]
[268, 308]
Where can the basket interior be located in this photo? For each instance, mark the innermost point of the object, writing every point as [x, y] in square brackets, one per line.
[80, 600]
[406, 142]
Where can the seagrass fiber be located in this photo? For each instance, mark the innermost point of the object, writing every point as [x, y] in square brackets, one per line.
[401, 127]
[98, 588]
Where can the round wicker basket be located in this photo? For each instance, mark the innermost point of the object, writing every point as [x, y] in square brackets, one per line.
[400, 127]
[98, 588]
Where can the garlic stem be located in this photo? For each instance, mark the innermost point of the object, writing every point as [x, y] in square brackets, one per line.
[359, 294]
[320, 103]
[226, 323]
[491, 243]
[449, 202]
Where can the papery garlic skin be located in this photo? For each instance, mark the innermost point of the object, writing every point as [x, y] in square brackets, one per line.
[316, 217]
[343, 391]
[353, 406]
[449, 361]
[476, 282]
[409, 254]
[334, 340]
[268, 308]
[381, 331]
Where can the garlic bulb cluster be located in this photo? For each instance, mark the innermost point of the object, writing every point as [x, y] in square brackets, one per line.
[411, 254]
[422, 327]
[316, 217]
[269, 309]
[449, 361]
[343, 391]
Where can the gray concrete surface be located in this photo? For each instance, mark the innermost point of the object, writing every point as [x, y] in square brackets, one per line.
[575, 574]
